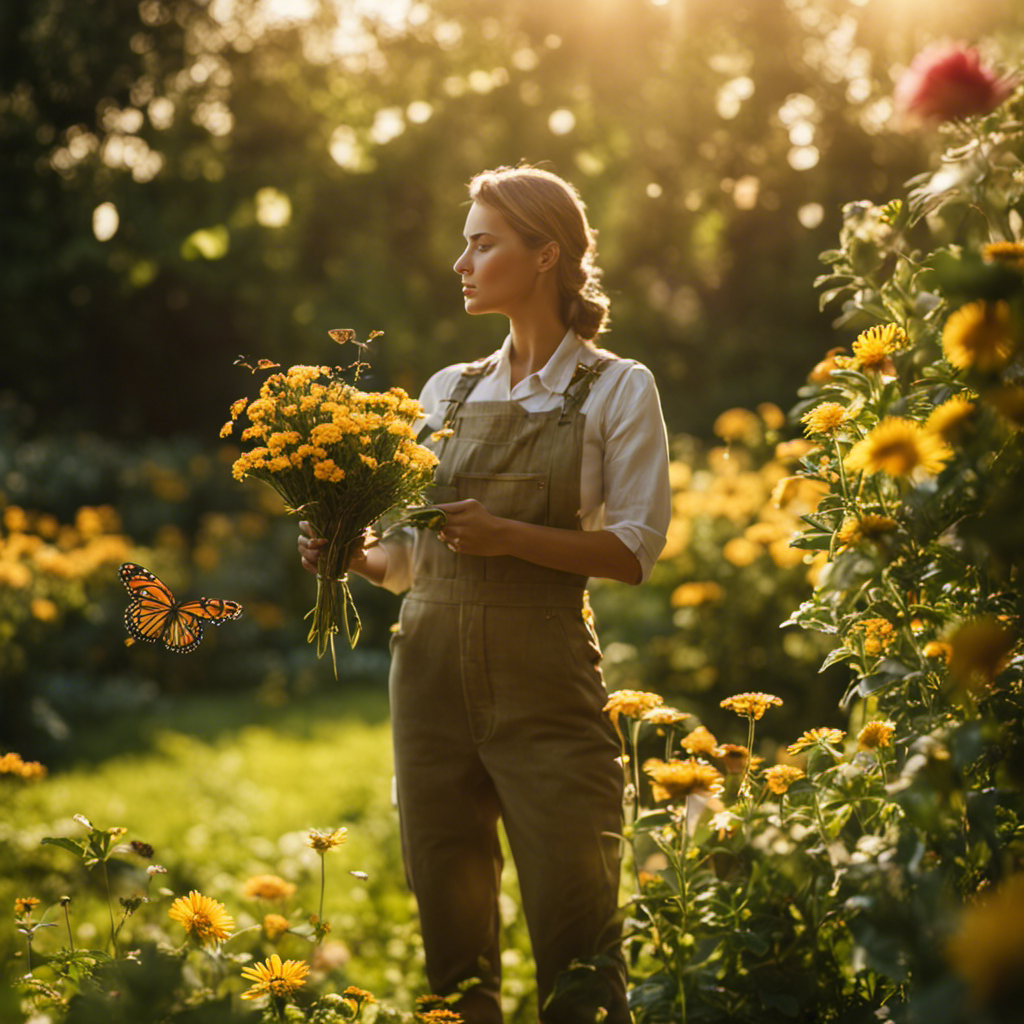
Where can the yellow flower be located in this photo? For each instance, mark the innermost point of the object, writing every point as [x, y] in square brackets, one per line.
[978, 335]
[227, 428]
[878, 635]
[327, 470]
[737, 425]
[24, 905]
[631, 703]
[898, 446]
[12, 764]
[437, 435]
[1010, 253]
[261, 408]
[274, 926]
[826, 418]
[950, 419]
[872, 348]
[868, 527]
[368, 460]
[740, 551]
[267, 887]
[204, 919]
[814, 737]
[751, 705]
[275, 977]
[254, 431]
[774, 418]
[43, 609]
[821, 372]
[688, 595]
[734, 756]
[987, 949]
[279, 463]
[357, 996]
[980, 650]
[938, 649]
[324, 840]
[671, 780]
[237, 407]
[700, 741]
[325, 433]
[665, 716]
[781, 776]
[875, 735]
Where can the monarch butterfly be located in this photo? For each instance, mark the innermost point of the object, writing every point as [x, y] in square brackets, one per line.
[153, 614]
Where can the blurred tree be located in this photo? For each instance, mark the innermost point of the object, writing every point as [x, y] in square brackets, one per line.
[187, 180]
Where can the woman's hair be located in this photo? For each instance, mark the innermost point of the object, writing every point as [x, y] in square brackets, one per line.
[542, 207]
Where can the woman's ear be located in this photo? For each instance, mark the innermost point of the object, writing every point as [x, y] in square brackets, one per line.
[548, 256]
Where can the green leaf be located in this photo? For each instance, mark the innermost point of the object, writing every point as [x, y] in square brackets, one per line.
[65, 844]
[812, 540]
[833, 280]
[834, 657]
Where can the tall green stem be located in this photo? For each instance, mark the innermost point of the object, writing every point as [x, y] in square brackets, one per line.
[323, 880]
[110, 910]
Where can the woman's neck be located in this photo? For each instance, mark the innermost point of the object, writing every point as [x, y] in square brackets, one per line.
[534, 340]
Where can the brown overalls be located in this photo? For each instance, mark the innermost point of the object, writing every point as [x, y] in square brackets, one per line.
[496, 704]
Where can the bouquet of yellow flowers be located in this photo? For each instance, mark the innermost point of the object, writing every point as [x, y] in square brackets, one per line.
[342, 458]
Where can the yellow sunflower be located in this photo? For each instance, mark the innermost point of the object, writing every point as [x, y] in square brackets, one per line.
[899, 447]
[951, 420]
[978, 335]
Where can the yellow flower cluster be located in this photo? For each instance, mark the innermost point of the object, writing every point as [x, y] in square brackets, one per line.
[877, 634]
[12, 764]
[825, 418]
[313, 430]
[751, 705]
[267, 887]
[873, 347]
[781, 776]
[875, 735]
[275, 977]
[631, 703]
[867, 527]
[322, 841]
[673, 780]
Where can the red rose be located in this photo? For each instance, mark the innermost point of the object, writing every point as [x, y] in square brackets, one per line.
[946, 81]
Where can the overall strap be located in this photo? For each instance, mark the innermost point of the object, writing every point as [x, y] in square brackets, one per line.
[471, 376]
[575, 394]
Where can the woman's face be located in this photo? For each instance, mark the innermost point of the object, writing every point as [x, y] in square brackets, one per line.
[499, 273]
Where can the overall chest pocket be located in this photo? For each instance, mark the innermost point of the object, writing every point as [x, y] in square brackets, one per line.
[519, 496]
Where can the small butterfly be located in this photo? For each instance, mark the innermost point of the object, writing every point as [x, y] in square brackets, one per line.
[153, 614]
[261, 364]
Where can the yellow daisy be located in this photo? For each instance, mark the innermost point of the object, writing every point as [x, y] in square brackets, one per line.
[873, 347]
[267, 887]
[868, 527]
[814, 737]
[1010, 253]
[322, 841]
[899, 447]
[275, 977]
[700, 741]
[978, 335]
[274, 926]
[204, 919]
[950, 419]
[825, 418]
[24, 905]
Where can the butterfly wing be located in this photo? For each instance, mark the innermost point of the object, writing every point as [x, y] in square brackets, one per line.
[214, 610]
[185, 627]
[152, 603]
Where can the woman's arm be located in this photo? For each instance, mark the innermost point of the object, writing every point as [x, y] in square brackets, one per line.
[472, 530]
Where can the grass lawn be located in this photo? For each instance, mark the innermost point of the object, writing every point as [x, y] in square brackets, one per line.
[225, 788]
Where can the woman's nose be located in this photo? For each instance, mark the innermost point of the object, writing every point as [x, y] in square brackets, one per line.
[462, 264]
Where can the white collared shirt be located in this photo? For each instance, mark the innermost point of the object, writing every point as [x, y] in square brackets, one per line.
[624, 486]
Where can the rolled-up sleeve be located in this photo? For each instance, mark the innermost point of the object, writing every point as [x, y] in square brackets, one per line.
[637, 494]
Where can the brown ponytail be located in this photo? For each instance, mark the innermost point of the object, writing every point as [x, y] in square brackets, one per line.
[542, 207]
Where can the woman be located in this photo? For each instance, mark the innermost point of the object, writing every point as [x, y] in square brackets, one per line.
[553, 468]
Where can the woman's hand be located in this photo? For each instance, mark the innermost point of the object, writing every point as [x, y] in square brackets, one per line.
[370, 561]
[310, 547]
[471, 530]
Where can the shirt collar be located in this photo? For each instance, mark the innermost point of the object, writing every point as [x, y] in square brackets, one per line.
[555, 374]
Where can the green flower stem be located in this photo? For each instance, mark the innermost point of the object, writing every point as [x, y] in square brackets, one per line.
[110, 910]
[67, 920]
[634, 739]
[323, 879]
[750, 754]
[843, 482]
